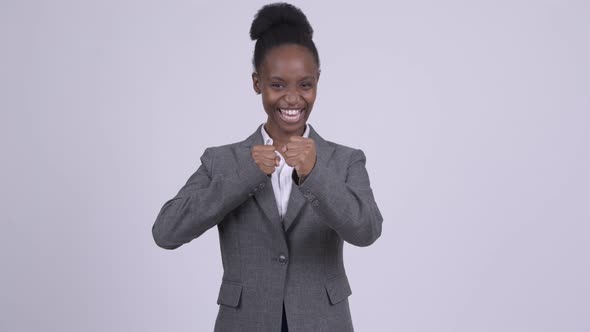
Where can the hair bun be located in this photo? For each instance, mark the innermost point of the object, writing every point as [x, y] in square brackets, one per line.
[279, 14]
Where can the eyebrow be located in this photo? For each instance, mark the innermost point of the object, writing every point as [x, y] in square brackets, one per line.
[280, 79]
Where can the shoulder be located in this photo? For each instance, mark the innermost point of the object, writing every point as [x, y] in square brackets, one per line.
[228, 157]
[221, 151]
[224, 147]
[344, 152]
[341, 148]
[336, 150]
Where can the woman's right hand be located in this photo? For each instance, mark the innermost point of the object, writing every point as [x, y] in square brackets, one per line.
[265, 157]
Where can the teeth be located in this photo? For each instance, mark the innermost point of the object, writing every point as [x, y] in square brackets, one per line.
[290, 111]
[291, 115]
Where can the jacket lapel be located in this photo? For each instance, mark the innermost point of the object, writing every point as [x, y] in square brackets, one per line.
[265, 198]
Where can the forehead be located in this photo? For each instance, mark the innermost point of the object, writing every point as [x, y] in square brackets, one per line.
[289, 61]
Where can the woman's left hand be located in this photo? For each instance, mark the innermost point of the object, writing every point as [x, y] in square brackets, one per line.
[300, 154]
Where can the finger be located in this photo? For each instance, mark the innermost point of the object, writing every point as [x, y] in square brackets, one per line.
[296, 160]
[293, 152]
[263, 148]
[295, 145]
[297, 139]
[290, 145]
[264, 154]
[292, 161]
[267, 162]
[300, 142]
[269, 154]
[277, 160]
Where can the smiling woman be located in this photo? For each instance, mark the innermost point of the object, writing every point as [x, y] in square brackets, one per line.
[286, 69]
[284, 200]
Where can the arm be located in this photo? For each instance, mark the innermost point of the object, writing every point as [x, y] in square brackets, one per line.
[203, 202]
[348, 207]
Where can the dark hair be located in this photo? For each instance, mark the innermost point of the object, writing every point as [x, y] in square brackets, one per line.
[280, 23]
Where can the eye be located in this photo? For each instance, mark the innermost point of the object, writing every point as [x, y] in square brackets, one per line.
[306, 85]
[276, 85]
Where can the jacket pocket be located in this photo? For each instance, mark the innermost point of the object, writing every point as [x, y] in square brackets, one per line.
[338, 288]
[229, 293]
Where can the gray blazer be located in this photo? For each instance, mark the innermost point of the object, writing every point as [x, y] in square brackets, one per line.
[267, 260]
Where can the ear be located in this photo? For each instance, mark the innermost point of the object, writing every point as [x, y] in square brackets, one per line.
[256, 82]
[319, 72]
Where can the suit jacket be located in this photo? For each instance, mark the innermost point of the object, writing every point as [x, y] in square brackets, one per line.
[267, 260]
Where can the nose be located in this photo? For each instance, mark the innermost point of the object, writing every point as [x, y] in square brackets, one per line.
[292, 97]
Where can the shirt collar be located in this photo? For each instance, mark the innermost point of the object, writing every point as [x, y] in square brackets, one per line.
[268, 140]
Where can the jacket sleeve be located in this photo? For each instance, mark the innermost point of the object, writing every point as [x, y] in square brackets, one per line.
[347, 207]
[204, 201]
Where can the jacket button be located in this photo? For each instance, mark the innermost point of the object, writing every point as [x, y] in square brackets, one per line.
[282, 259]
[315, 203]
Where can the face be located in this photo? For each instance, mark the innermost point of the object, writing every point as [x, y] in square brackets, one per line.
[287, 80]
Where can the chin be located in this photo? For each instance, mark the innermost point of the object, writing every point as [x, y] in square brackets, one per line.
[293, 127]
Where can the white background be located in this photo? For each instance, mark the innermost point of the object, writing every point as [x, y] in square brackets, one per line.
[474, 117]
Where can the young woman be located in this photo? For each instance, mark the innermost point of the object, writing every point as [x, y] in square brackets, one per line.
[284, 200]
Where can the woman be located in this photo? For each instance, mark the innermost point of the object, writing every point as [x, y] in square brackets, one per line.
[283, 200]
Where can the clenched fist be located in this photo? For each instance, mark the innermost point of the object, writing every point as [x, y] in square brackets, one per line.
[300, 154]
[265, 157]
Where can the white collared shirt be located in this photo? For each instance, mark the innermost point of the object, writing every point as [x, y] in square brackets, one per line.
[281, 179]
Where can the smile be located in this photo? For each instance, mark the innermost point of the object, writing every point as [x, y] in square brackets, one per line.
[291, 115]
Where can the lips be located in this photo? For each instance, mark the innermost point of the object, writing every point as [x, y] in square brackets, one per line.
[291, 115]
